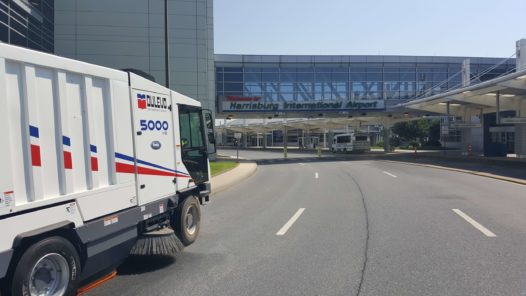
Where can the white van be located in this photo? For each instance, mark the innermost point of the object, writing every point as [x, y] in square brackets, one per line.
[351, 142]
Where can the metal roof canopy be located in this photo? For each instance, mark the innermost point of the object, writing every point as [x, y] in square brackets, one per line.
[509, 90]
[265, 125]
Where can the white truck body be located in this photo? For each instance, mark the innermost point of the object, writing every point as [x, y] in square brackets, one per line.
[87, 146]
[351, 142]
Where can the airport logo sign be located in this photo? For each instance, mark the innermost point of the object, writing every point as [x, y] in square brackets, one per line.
[253, 104]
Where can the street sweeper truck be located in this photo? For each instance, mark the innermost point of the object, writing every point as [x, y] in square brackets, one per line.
[95, 163]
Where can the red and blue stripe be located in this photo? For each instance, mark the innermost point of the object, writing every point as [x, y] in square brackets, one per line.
[144, 167]
[124, 163]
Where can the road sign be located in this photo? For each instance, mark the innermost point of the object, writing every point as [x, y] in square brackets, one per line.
[237, 135]
[513, 120]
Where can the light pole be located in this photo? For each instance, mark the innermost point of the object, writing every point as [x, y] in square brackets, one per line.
[166, 46]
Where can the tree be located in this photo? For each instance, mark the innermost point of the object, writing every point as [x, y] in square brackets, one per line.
[422, 130]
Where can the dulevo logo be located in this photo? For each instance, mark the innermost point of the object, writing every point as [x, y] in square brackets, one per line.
[145, 101]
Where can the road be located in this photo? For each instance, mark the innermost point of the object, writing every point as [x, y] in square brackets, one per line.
[368, 227]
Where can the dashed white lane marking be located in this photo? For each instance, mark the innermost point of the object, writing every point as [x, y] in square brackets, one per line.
[475, 224]
[389, 174]
[301, 163]
[289, 223]
[316, 175]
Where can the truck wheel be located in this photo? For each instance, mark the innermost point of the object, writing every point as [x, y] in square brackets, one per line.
[188, 220]
[48, 267]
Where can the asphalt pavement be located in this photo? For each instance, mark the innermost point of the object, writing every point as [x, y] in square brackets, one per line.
[331, 226]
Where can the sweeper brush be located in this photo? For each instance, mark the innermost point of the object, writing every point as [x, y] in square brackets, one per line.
[160, 242]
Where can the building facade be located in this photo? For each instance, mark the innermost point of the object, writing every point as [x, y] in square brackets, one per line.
[304, 86]
[124, 34]
[28, 23]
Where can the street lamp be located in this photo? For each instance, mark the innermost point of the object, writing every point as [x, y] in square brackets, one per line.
[166, 48]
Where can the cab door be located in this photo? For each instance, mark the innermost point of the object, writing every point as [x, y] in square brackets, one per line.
[155, 149]
[194, 152]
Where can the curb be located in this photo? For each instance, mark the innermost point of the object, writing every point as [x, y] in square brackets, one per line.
[230, 178]
[476, 173]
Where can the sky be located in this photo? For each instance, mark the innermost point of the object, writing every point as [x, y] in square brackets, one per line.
[477, 28]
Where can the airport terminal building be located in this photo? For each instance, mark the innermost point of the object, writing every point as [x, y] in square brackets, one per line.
[324, 86]
[343, 90]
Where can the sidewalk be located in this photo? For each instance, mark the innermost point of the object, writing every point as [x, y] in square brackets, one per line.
[230, 178]
[505, 169]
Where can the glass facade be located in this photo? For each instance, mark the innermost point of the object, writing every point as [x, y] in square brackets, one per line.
[279, 80]
[28, 23]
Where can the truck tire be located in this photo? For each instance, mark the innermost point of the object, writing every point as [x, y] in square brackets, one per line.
[51, 264]
[187, 220]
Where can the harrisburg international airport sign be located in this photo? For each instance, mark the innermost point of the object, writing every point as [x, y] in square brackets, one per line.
[256, 104]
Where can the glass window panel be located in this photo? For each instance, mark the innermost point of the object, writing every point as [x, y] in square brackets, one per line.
[3, 33]
[374, 95]
[305, 77]
[358, 95]
[358, 86]
[439, 76]
[270, 96]
[392, 86]
[233, 86]
[269, 77]
[340, 76]
[219, 76]
[233, 93]
[288, 77]
[374, 76]
[3, 17]
[270, 87]
[234, 77]
[405, 70]
[287, 96]
[340, 70]
[233, 69]
[18, 27]
[339, 86]
[339, 95]
[357, 69]
[407, 86]
[391, 76]
[305, 96]
[304, 86]
[286, 87]
[357, 76]
[323, 77]
[219, 86]
[407, 76]
[391, 70]
[305, 69]
[374, 70]
[252, 70]
[407, 95]
[269, 69]
[252, 77]
[18, 39]
[253, 87]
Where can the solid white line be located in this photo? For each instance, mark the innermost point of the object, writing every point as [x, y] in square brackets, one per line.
[289, 223]
[389, 174]
[316, 175]
[475, 224]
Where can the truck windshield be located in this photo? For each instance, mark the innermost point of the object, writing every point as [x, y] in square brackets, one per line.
[344, 139]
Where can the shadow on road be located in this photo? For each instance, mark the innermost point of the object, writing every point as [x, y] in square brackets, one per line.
[143, 264]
